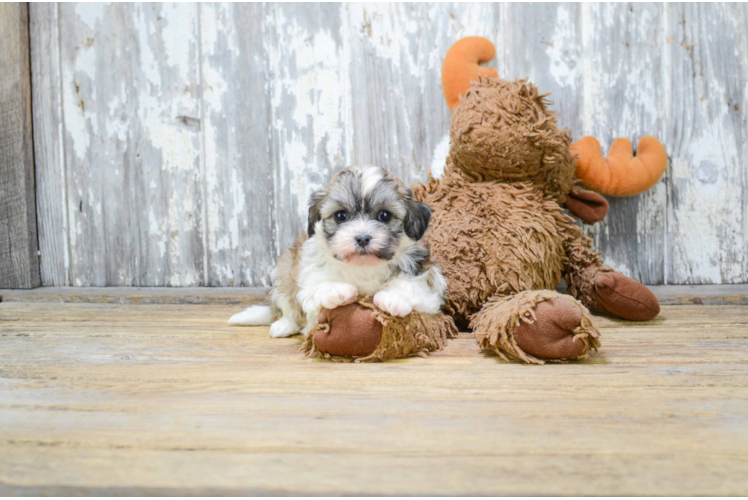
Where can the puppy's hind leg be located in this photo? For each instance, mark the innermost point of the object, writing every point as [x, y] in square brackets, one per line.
[288, 323]
[284, 327]
[263, 315]
[253, 316]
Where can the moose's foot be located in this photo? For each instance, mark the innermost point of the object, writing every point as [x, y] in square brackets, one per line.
[625, 297]
[536, 326]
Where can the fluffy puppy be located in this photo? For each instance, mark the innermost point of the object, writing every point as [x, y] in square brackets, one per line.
[362, 239]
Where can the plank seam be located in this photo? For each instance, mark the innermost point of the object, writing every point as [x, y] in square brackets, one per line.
[203, 168]
[32, 152]
[668, 176]
[63, 158]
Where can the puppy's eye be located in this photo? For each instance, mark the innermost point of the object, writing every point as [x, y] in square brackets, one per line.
[384, 216]
[341, 216]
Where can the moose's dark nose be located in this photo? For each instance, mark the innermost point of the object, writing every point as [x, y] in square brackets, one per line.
[362, 240]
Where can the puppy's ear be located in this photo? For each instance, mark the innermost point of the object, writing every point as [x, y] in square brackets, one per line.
[417, 219]
[315, 204]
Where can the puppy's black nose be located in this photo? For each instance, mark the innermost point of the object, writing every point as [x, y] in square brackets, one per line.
[362, 240]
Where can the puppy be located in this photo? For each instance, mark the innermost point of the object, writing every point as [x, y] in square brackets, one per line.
[362, 239]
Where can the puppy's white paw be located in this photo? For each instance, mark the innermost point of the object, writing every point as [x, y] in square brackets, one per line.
[332, 295]
[393, 302]
[284, 327]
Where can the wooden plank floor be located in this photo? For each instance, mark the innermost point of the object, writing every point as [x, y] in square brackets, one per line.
[166, 399]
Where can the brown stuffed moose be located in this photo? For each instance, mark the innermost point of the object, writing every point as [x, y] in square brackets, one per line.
[499, 232]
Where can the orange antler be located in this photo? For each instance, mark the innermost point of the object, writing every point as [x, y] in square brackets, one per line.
[621, 173]
[460, 66]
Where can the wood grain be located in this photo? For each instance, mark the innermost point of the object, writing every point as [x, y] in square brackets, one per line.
[167, 399]
[239, 174]
[706, 59]
[49, 157]
[19, 261]
[130, 82]
[205, 181]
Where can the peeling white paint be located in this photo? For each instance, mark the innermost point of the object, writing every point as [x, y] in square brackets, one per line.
[439, 161]
[308, 106]
[564, 67]
[213, 91]
[90, 13]
[707, 213]
[79, 121]
[388, 29]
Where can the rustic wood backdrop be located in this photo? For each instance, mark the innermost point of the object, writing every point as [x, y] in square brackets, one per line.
[19, 262]
[176, 145]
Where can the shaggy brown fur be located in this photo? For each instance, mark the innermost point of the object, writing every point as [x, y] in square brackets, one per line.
[492, 238]
[501, 238]
[504, 131]
[503, 248]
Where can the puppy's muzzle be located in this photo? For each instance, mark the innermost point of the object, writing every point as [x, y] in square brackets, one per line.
[362, 240]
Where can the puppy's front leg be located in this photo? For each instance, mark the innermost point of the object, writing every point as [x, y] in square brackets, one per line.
[334, 294]
[396, 299]
[422, 293]
[328, 295]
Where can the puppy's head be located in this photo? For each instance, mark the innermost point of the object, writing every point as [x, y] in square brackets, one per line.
[366, 216]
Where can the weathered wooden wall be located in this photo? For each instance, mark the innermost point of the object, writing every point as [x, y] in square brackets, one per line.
[19, 261]
[177, 144]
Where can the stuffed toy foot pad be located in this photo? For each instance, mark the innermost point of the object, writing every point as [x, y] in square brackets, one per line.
[351, 330]
[551, 335]
[535, 326]
[625, 297]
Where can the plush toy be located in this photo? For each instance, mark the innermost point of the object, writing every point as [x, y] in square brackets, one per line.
[362, 332]
[499, 232]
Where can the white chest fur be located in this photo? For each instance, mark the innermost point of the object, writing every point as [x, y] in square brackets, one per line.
[318, 266]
